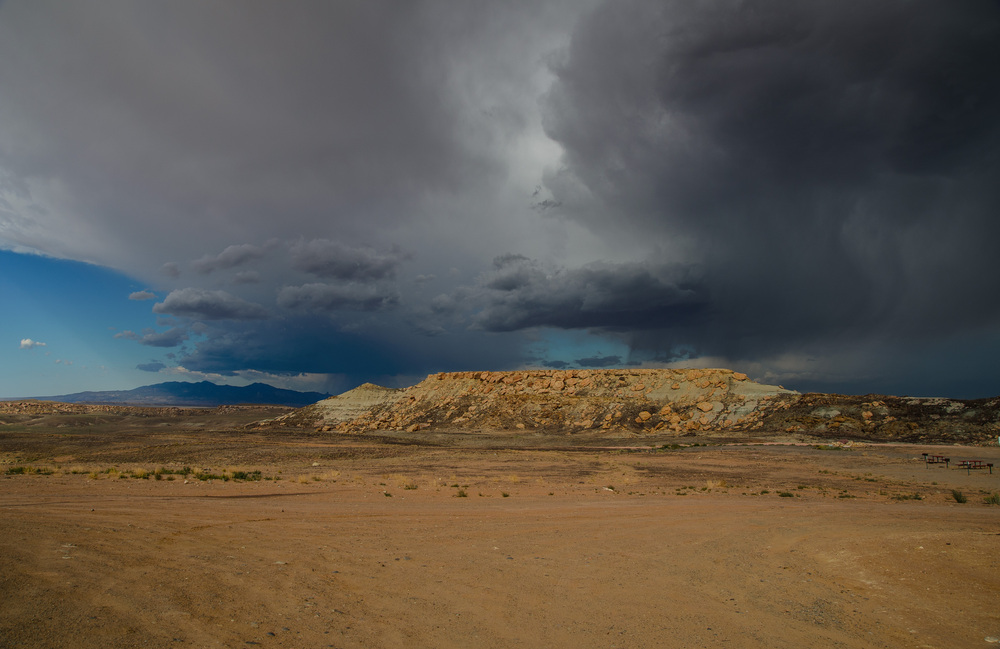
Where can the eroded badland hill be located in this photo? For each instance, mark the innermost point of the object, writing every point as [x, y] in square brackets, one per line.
[642, 402]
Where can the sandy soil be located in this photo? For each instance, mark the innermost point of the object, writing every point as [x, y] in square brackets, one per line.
[355, 543]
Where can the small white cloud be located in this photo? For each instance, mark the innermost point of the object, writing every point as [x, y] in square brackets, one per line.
[28, 343]
[142, 295]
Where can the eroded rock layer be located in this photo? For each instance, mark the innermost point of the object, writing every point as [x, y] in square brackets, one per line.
[617, 402]
[665, 401]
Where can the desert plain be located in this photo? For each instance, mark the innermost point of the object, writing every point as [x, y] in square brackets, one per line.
[193, 528]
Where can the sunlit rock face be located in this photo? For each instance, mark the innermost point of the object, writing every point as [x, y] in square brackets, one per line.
[635, 401]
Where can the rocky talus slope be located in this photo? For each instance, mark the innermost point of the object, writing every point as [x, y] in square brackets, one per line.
[679, 402]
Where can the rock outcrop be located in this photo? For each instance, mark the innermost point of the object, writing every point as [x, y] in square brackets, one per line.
[667, 401]
[355, 403]
[617, 402]
[889, 418]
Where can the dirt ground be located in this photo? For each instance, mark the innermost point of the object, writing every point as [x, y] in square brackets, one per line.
[493, 541]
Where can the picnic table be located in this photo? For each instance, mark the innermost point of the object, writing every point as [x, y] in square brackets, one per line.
[936, 459]
[968, 465]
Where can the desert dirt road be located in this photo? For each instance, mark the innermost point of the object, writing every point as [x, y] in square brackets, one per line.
[354, 543]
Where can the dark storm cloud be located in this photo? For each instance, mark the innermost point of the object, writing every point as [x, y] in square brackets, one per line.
[375, 350]
[283, 346]
[318, 297]
[202, 304]
[831, 165]
[229, 258]
[169, 338]
[334, 260]
[247, 277]
[255, 117]
[599, 361]
[742, 179]
[149, 137]
[521, 293]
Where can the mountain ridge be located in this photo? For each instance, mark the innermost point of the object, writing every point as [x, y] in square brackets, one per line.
[199, 394]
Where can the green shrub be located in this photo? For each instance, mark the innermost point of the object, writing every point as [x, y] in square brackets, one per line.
[247, 476]
[958, 496]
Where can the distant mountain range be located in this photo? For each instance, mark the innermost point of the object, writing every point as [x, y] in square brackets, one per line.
[203, 394]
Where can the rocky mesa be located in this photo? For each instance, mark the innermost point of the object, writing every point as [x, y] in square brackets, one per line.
[672, 401]
[639, 402]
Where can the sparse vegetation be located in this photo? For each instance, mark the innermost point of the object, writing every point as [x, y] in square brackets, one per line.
[461, 494]
[28, 470]
[247, 476]
[958, 496]
[167, 471]
[992, 499]
[786, 494]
